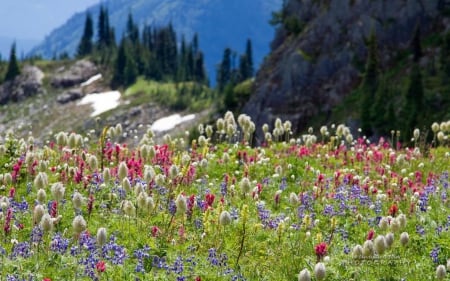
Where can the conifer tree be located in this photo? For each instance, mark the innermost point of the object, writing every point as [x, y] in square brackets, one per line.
[444, 58]
[416, 46]
[369, 85]
[249, 56]
[413, 109]
[224, 71]
[85, 46]
[13, 69]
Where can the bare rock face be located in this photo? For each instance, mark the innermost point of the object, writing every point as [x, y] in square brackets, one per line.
[308, 74]
[27, 84]
[79, 72]
[69, 95]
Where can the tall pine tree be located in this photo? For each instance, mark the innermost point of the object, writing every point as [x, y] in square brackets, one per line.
[13, 66]
[369, 85]
[413, 108]
[85, 46]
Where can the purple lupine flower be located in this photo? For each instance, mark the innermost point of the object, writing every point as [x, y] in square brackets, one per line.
[434, 254]
[172, 207]
[141, 254]
[21, 249]
[328, 210]
[36, 235]
[59, 244]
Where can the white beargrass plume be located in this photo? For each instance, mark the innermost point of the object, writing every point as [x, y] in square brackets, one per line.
[46, 223]
[440, 272]
[293, 199]
[38, 213]
[304, 275]
[77, 200]
[128, 208]
[41, 180]
[320, 271]
[389, 239]
[181, 204]
[380, 244]
[357, 252]
[93, 163]
[101, 236]
[245, 185]
[106, 175]
[402, 220]
[41, 195]
[57, 191]
[122, 171]
[368, 248]
[173, 171]
[149, 173]
[404, 238]
[225, 218]
[79, 224]
[126, 184]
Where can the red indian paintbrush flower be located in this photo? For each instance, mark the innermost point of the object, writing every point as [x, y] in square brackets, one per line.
[321, 250]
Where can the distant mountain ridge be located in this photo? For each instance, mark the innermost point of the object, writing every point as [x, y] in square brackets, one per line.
[219, 24]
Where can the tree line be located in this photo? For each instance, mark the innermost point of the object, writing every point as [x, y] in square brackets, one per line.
[151, 52]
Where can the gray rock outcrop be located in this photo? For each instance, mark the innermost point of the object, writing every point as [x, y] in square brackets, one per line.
[308, 74]
[79, 72]
[27, 84]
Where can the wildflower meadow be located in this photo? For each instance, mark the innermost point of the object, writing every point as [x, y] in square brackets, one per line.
[326, 205]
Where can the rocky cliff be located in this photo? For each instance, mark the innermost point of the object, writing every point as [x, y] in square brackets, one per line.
[312, 70]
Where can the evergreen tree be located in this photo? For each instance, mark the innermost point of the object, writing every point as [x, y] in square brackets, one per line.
[413, 109]
[13, 66]
[119, 65]
[444, 58]
[416, 46]
[85, 46]
[224, 71]
[379, 109]
[369, 85]
[199, 68]
[132, 30]
[105, 32]
[249, 57]
[244, 71]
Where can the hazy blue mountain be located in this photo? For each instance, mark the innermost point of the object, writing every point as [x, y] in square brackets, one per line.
[23, 46]
[219, 23]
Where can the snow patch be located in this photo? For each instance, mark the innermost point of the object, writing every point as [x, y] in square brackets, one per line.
[170, 122]
[101, 102]
[91, 80]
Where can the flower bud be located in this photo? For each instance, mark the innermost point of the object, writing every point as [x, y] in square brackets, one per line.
[77, 200]
[440, 272]
[225, 218]
[128, 208]
[404, 238]
[126, 184]
[380, 244]
[38, 213]
[357, 252]
[319, 271]
[304, 275]
[402, 220]
[123, 171]
[106, 175]
[46, 223]
[389, 239]
[181, 204]
[101, 236]
[41, 195]
[245, 185]
[79, 224]
[368, 248]
[57, 191]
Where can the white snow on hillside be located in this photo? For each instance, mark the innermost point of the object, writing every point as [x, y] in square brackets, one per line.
[170, 122]
[101, 102]
[91, 80]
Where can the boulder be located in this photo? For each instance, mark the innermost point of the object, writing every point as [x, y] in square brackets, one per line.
[79, 72]
[27, 84]
[69, 95]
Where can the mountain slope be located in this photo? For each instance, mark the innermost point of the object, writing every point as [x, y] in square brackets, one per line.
[219, 24]
[320, 50]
